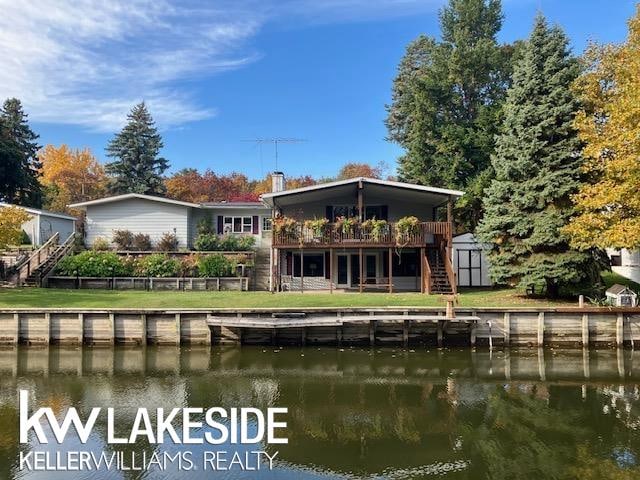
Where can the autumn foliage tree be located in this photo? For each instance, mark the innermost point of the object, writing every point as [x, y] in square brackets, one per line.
[70, 175]
[609, 204]
[353, 170]
[11, 220]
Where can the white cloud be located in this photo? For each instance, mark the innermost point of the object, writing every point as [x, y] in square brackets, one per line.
[86, 62]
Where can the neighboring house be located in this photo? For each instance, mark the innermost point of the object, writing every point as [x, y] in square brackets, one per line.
[156, 216]
[356, 257]
[44, 224]
[625, 263]
[470, 262]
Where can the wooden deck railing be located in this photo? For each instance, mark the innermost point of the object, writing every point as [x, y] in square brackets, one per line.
[299, 236]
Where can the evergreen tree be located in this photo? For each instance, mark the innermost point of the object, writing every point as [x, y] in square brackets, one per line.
[446, 103]
[137, 168]
[537, 166]
[19, 165]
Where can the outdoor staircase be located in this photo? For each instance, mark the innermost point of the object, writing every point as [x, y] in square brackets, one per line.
[440, 279]
[262, 269]
[34, 272]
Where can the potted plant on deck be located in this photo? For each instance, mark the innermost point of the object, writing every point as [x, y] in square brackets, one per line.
[317, 226]
[376, 228]
[405, 228]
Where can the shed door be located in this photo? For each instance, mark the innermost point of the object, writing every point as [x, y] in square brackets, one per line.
[469, 268]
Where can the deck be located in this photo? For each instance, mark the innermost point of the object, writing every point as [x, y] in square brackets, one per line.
[358, 236]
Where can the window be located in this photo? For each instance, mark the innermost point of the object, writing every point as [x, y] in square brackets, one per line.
[405, 265]
[344, 211]
[313, 265]
[238, 224]
[267, 224]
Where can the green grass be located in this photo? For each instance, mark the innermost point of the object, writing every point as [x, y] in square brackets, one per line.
[36, 297]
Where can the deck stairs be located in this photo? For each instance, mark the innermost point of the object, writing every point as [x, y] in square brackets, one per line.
[440, 280]
[34, 272]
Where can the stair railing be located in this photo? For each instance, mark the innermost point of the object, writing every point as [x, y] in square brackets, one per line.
[37, 258]
[451, 276]
[428, 278]
[58, 255]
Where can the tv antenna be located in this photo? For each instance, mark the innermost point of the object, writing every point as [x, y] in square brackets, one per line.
[275, 141]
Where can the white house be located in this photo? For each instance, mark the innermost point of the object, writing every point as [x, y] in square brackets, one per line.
[43, 224]
[155, 216]
[625, 263]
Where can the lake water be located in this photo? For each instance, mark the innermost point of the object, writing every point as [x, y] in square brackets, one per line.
[352, 413]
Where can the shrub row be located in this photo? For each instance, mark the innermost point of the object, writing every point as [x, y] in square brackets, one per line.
[208, 242]
[129, 241]
[109, 264]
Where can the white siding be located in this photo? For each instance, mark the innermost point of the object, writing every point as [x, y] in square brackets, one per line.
[50, 225]
[214, 213]
[139, 216]
[32, 229]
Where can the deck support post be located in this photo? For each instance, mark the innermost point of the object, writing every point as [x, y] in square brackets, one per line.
[303, 336]
[585, 330]
[301, 270]
[390, 260]
[472, 333]
[16, 319]
[339, 335]
[361, 268]
[423, 272]
[405, 330]
[440, 333]
[619, 330]
[330, 270]
[372, 331]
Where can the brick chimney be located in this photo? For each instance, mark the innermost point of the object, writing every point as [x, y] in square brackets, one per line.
[278, 183]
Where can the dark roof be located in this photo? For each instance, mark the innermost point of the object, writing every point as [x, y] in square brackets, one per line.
[617, 289]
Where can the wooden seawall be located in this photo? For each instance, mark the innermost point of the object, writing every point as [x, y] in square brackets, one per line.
[395, 326]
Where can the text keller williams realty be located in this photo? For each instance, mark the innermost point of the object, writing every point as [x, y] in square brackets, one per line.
[154, 431]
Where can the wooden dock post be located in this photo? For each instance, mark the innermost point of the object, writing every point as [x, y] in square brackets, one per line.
[143, 320]
[440, 333]
[47, 321]
[16, 319]
[112, 324]
[472, 333]
[178, 328]
[540, 340]
[372, 332]
[405, 332]
[80, 328]
[506, 328]
[303, 336]
[585, 330]
[620, 330]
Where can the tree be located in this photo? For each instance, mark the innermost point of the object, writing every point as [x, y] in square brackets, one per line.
[137, 168]
[11, 220]
[447, 100]
[19, 163]
[69, 176]
[353, 170]
[609, 203]
[537, 166]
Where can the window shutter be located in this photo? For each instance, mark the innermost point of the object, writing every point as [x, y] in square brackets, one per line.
[328, 212]
[254, 224]
[384, 212]
[327, 263]
[220, 224]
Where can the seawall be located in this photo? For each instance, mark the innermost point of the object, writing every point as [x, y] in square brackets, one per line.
[393, 326]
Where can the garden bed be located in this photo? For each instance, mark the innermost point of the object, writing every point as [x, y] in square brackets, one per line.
[151, 283]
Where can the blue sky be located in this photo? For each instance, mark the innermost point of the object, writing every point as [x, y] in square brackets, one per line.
[216, 74]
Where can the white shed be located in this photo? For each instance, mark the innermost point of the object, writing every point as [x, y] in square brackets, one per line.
[621, 296]
[470, 262]
[43, 224]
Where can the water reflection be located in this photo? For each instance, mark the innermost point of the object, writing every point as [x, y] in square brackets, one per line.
[358, 413]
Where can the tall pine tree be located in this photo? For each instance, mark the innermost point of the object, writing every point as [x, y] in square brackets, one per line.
[19, 165]
[537, 166]
[137, 168]
[447, 100]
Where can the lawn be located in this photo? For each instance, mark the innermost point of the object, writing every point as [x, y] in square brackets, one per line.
[36, 297]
